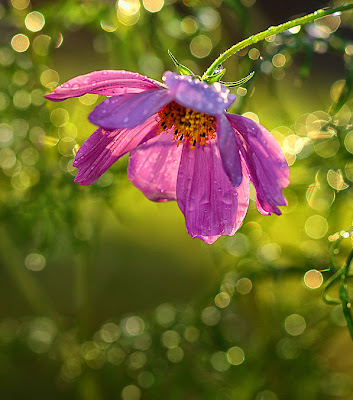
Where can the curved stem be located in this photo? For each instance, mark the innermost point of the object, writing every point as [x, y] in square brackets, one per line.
[344, 296]
[273, 30]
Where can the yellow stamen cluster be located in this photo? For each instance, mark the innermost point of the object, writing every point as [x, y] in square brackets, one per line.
[188, 125]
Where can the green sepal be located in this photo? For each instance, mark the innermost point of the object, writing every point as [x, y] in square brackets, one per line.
[181, 68]
[240, 82]
[215, 77]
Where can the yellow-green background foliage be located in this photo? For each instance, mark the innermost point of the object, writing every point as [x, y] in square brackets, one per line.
[102, 293]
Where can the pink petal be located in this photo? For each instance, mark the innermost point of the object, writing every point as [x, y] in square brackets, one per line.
[129, 110]
[211, 205]
[107, 83]
[265, 161]
[229, 150]
[260, 209]
[153, 168]
[104, 147]
[197, 95]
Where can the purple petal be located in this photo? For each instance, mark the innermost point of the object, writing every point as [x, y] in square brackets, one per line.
[129, 110]
[265, 161]
[229, 150]
[211, 205]
[153, 168]
[107, 83]
[260, 209]
[104, 147]
[197, 95]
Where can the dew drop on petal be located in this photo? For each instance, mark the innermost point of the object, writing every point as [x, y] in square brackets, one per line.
[228, 198]
[204, 199]
[191, 207]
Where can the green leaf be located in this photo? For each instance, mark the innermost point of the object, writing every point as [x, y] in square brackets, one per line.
[181, 68]
[345, 93]
[240, 82]
[215, 77]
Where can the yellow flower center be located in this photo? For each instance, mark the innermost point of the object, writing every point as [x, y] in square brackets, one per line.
[188, 125]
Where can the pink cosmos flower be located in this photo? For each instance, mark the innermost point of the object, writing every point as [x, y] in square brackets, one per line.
[183, 146]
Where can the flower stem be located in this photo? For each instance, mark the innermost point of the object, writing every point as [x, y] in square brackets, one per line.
[273, 30]
[342, 274]
[344, 296]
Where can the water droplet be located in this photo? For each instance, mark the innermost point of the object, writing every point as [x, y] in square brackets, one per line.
[205, 199]
[126, 119]
[105, 72]
[191, 206]
[228, 198]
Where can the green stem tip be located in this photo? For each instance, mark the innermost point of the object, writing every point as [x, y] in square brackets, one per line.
[274, 30]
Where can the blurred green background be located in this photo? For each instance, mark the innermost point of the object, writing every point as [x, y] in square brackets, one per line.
[102, 293]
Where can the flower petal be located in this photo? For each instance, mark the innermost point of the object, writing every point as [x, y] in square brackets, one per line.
[265, 161]
[107, 83]
[197, 95]
[211, 205]
[229, 150]
[129, 110]
[153, 168]
[104, 147]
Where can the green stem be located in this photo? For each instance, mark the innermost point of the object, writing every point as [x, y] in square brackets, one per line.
[274, 30]
[340, 271]
[344, 296]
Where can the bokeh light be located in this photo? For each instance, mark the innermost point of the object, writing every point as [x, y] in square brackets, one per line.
[128, 7]
[295, 324]
[235, 355]
[35, 262]
[20, 4]
[220, 362]
[316, 226]
[41, 44]
[153, 5]
[20, 43]
[313, 279]
[131, 392]
[34, 21]
[201, 46]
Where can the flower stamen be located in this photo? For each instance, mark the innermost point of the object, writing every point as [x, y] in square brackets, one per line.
[188, 125]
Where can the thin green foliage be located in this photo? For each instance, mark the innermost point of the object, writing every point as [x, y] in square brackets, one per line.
[342, 275]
